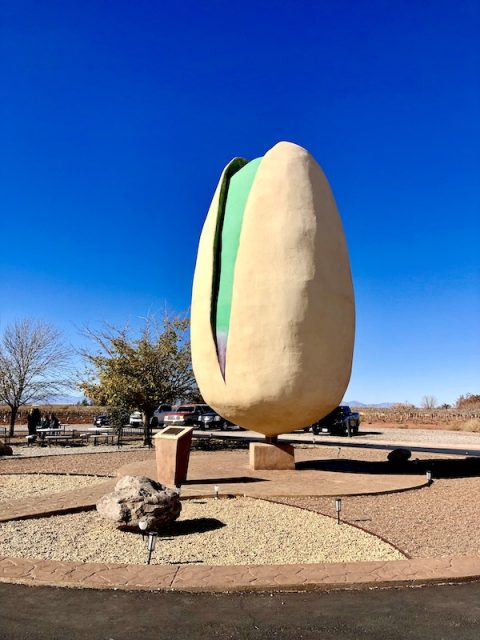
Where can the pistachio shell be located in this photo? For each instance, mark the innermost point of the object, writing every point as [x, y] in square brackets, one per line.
[292, 318]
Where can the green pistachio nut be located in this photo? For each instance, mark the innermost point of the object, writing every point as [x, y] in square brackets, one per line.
[273, 314]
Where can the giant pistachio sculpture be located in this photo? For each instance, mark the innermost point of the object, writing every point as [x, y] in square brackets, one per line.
[273, 314]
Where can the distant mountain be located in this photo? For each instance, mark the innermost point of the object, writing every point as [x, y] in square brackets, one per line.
[381, 405]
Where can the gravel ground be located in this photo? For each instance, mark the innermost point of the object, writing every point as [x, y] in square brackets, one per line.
[428, 437]
[18, 486]
[210, 532]
[439, 520]
[21, 451]
[97, 463]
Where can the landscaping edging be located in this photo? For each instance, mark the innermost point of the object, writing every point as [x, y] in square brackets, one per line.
[194, 578]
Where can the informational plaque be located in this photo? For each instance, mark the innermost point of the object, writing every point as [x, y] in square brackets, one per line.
[172, 452]
[172, 431]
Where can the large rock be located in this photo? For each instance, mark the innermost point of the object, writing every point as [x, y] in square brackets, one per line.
[399, 456]
[139, 498]
[6, 450]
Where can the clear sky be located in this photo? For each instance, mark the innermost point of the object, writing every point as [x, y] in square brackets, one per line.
[117, 117]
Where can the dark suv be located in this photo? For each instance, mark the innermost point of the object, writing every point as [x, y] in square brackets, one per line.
[101, 421]
[341, 422]
[210, 419]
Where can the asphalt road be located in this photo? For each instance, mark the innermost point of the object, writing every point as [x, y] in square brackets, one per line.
[441, 612]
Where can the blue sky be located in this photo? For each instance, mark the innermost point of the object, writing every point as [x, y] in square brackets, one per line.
[117, 118]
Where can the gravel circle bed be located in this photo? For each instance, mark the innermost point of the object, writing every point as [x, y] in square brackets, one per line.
[13, 487]
[440, 520]
[236, 531]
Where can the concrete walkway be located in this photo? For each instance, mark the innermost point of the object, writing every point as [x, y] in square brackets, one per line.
[315, 475]
[55, 503]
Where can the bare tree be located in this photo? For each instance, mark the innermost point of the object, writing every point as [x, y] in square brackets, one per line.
[429, 402]
[33, 364]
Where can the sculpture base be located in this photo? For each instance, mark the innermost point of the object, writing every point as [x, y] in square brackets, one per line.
[278, 457]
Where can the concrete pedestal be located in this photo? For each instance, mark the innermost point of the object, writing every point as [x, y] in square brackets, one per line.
[172, 453]
[272, 456]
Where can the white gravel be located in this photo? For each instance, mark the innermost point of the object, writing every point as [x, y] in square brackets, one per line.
[22, 451]
[210, 532]
[381, 435]
[13, 487]
[427, 437]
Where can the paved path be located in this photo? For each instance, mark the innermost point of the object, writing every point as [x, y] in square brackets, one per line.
[180, 577]
[55, 503]
[316, 474]
[448, 612]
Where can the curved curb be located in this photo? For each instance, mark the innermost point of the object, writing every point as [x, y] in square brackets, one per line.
[303, 577]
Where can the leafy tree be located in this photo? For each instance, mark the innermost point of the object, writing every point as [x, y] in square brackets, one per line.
[33, 365]
[140, 372]
[118, 418]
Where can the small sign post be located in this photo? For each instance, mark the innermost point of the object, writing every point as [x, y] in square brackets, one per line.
[172, 453]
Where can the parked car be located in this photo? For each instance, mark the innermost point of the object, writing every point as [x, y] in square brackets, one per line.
[136, 419]
[102, 420]
[160, 413]
[341, 421]
[185, 415]
[210, 419]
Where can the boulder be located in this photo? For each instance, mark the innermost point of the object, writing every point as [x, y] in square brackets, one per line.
[399, 456]
[5, 450]
[138, 498]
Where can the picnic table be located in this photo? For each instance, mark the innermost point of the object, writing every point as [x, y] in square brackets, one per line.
[42, 432]
[94, 434]
[64, 437]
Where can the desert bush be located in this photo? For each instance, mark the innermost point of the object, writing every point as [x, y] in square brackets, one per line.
[473, 425]
[469, 402]
[409, 414]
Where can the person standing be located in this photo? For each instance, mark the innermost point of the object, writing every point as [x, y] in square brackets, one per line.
[33, 421]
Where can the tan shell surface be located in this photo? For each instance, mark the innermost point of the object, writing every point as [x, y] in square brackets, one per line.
[290, 342]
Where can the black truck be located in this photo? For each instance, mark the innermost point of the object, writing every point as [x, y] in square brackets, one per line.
[342, 421]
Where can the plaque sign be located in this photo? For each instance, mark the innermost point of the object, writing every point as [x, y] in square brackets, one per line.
[172, 431]
[172, 453]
